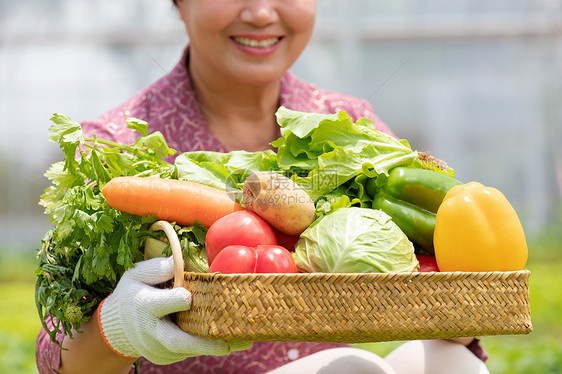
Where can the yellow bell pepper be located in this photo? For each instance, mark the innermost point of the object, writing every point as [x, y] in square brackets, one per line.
[477, 229]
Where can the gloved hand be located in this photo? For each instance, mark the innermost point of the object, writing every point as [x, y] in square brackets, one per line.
[133, 319]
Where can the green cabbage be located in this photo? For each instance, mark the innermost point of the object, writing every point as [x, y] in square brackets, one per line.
[355, 240]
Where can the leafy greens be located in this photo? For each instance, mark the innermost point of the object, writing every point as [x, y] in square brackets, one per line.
[91, 244]
[332, 158]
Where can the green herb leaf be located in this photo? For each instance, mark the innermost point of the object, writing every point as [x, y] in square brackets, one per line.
[137, 124]
[65, 130]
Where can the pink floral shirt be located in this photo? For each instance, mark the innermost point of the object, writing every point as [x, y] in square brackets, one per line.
[170, 106]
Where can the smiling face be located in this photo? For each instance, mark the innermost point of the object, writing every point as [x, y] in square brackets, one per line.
[246, 41]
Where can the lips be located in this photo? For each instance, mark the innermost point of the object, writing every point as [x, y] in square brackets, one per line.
[260, 42]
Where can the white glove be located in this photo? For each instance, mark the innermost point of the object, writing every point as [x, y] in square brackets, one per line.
[133, 319]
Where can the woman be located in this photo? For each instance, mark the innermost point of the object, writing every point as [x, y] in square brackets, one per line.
[222, 96]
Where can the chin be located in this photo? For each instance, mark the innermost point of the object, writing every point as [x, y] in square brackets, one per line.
[260, 76]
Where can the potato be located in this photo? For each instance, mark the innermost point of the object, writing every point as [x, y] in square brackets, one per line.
[280, 201]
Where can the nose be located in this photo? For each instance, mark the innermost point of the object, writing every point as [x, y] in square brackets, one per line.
[259, 13]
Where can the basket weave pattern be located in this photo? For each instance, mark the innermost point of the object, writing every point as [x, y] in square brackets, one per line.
[353, 308]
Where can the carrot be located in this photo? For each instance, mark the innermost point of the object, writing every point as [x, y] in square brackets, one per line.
[171, 200]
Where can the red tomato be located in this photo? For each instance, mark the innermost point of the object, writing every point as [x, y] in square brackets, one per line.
[234, 259]
[427, 263]
[239, 228]
[285, 240]
[261, 259]
[274, 259]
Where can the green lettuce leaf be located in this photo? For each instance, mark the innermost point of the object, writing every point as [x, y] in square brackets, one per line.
[226, 171]
[322, 152]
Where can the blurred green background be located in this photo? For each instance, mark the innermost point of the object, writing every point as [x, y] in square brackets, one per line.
[476, 82]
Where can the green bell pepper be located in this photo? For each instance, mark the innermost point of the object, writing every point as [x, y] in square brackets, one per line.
[411, 197]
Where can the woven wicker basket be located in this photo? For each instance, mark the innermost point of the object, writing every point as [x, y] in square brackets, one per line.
[352, 308]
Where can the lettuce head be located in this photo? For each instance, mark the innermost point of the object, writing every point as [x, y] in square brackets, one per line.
[355, 240]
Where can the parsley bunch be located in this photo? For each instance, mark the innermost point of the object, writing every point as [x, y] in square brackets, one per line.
[91, 244]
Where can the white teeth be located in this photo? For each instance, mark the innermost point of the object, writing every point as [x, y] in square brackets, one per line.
[256, 43]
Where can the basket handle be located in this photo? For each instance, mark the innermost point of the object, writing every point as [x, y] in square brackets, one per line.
[176, 249]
